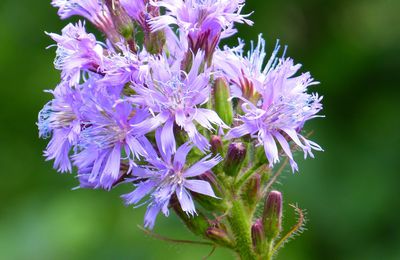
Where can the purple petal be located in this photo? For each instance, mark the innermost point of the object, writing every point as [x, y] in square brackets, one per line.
[151, 215]
[180, 155]
[271, 151]
[200, 186]
[186, 201]
[139, 193]
[112, 166]
[202, 166]
[168, 144]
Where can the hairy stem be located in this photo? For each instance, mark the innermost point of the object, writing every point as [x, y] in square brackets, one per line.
[240, 226]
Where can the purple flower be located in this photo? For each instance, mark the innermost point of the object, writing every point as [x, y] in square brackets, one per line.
[61, 119]
[166, 176]
[121, 67]
[283, 108]
[76, 51]
[93, 10]
[173, 96]
[107, 138]
[204, 22]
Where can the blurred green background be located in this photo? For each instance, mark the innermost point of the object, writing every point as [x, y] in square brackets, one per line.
[350, 191]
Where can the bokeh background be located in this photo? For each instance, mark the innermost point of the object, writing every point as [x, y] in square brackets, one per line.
[351, 191]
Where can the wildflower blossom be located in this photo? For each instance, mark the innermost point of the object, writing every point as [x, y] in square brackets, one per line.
[61, 119]
[76, 51]
[283, 108]
[166, 176]
[173, 97]
[204, 22]
[107, 139]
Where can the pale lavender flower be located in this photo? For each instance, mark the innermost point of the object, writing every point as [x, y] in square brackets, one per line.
[204, 22]
[166, 176]
[93, 10]
[282, 110]
[173, 96]
[107, 138]
[77, 51]
[122, 67]
[61, 119]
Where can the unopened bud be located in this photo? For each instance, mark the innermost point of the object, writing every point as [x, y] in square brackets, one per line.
[234, 158]
[272, 216]
[216, 145]
[219, 236]
[257, 235]
[198, 224]
[122, 22]
[154, 41]
[223, 106]
[252, 191]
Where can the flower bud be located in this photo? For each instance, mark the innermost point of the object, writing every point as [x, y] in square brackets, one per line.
[216, 145]
[272, 216]
[219, 236]
[234, 158]
[257, 235]
[252, 192]
[122, 22]
[223, 106]
[198, 224]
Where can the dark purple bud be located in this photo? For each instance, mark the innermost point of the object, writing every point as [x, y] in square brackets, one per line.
[257, 235]
[234, 158]
[272, 216]
[216, 145]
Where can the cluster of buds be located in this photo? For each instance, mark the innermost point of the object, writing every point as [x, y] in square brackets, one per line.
[190, 126]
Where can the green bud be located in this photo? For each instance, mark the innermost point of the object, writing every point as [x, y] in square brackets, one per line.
[272, 216]
[154, 41]
[197, 224]
[257, 236]
[234, 158]
[251, 192]
[223, 106]
[219, 236]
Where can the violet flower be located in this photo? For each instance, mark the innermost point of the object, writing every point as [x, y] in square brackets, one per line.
[204, 22]
[61, 119]
[107, 139]
[173, 96]
[166, 176]
[76, 51]
[283, 108]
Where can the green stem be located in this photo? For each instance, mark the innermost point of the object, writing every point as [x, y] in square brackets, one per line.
[240, 226]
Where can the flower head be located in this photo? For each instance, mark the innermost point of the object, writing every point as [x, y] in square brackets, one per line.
[167, 175]
[204, 22]
[61, 119]
[76, 51]
[174, 97]
[107, 139]
[282, 109]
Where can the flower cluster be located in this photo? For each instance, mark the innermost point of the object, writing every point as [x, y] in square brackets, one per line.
[143, 111]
